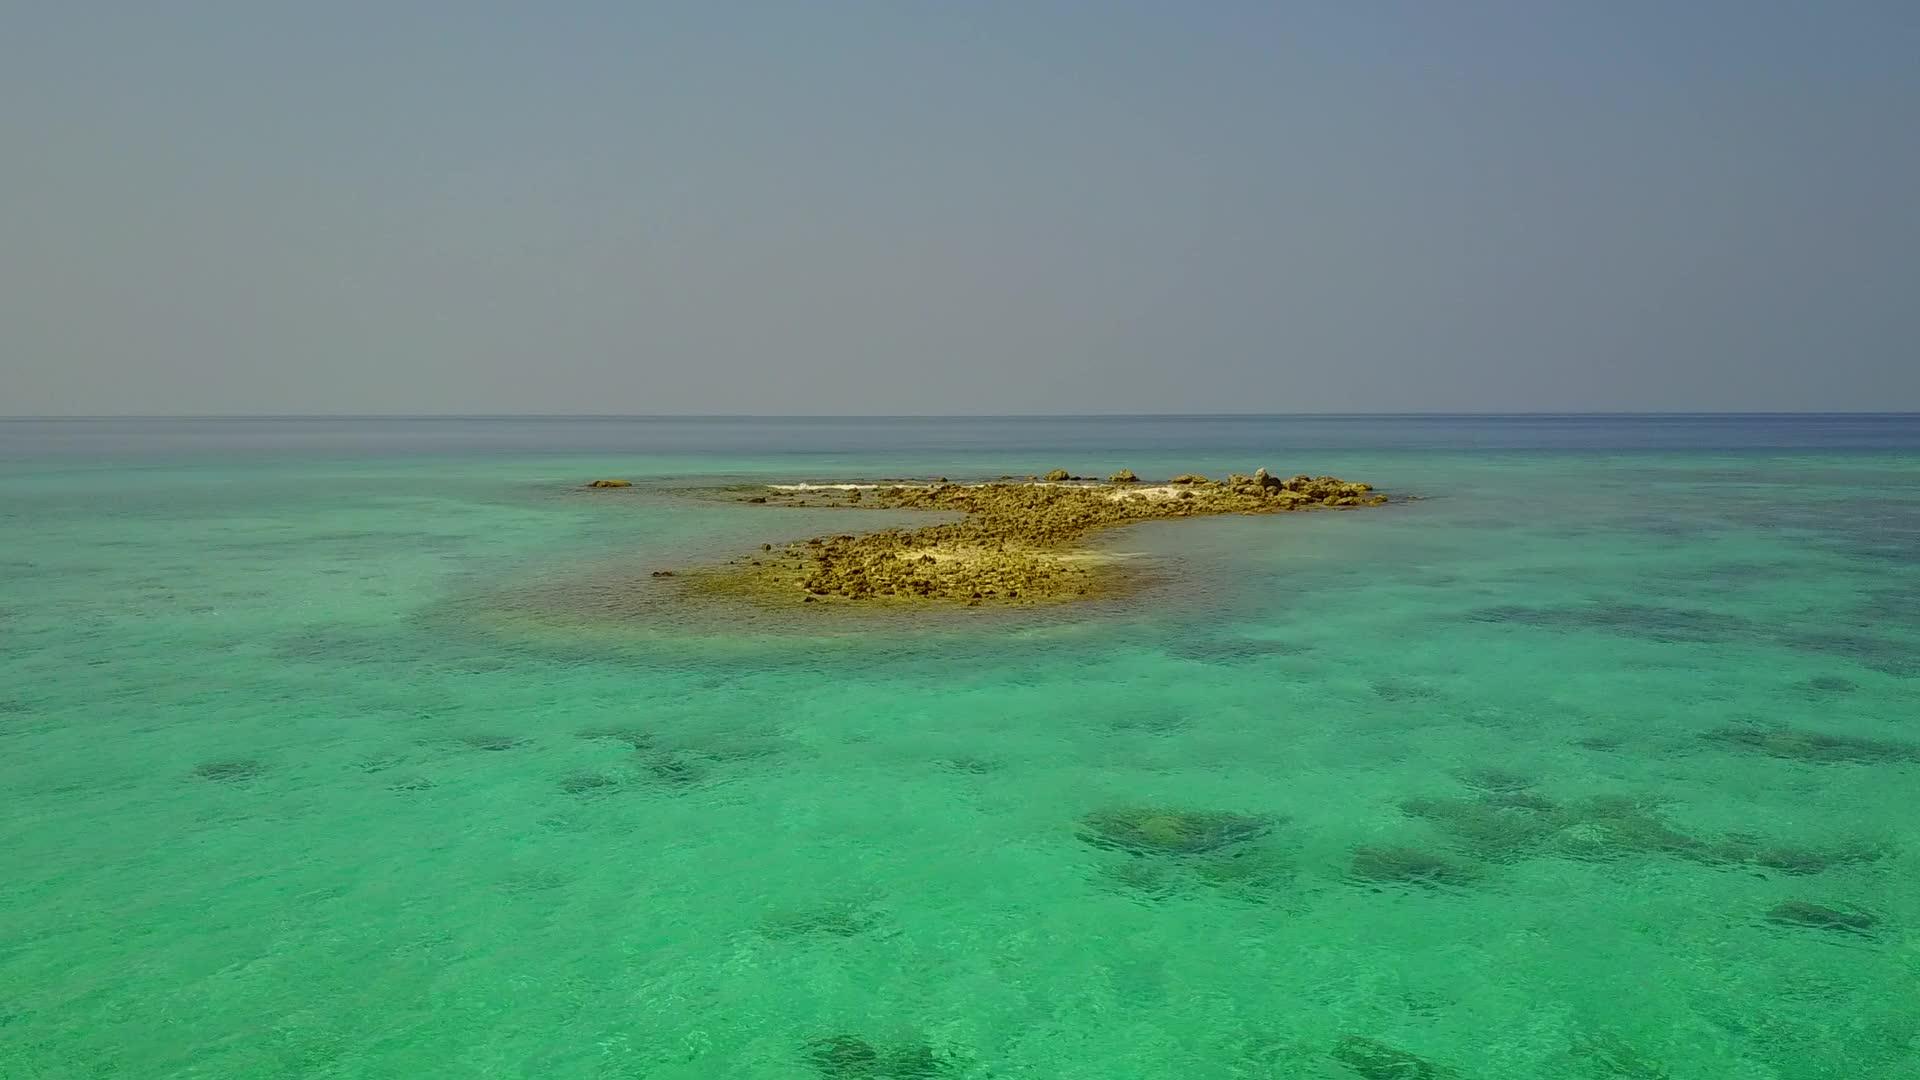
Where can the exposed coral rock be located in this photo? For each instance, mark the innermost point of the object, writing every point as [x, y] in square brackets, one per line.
[1124, 476]
[1017, 542]
[610, 484]
[1057, 475]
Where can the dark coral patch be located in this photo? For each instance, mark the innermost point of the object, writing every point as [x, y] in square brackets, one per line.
[1403, 690]
[1818, 747]
[1235, 651]
[1884, 654]
[1147, 880]
[1813, 916]
[1408, 866]
[673, 770]
[1489, 778]
[1610, 1056]
[588, 783]
[849, 1057]
[633, 737]
[1635, 620]
[830, 920]
[1160, 831]
[1762, 854]
[1376, 1060]
[232, 771]
[1252, 874]
[1487, 828]
[492, 742]
[1609, 827]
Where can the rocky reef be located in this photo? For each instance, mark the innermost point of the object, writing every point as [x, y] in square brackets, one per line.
[1017, 542]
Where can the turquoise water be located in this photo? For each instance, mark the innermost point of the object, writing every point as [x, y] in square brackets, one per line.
[372, 749]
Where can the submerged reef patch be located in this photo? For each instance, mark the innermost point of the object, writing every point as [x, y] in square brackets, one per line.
[1235, 651]
[1667, 624]
[1812, 916]
[1158, 831]
[1406, 866]
[1607, 1055]
[849, 1057]
[1504, 825]
[1610, 827]
[673, 769]
[588, 783]
[1818, 747]
[1487, 828]
[232, 771]
[1763, 854]
[835, 920]
[634, 737]
[1493, 779]
[1883, 654]
[491, 742]
[1376, 1060]
[1177, 851]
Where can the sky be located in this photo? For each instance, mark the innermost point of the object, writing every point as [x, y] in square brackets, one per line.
[919, 208]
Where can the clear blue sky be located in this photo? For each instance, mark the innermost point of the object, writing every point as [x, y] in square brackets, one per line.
[955, 208]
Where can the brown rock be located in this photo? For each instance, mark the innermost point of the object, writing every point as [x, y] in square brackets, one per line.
[1014, 542]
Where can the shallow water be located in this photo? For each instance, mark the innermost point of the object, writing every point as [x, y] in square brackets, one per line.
[371, 748]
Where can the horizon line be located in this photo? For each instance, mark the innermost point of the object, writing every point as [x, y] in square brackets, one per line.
[1525, 414]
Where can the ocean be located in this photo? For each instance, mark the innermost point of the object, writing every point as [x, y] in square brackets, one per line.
[371, 748]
